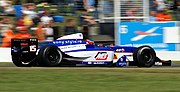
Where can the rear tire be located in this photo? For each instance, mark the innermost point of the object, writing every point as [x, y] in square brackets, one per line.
[144, 56]
[23, 59]
[19, 63]
[50, 56]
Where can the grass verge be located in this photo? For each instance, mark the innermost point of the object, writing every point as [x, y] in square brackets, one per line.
[94, 79]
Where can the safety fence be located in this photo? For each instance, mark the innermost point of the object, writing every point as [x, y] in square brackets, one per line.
[124, 10]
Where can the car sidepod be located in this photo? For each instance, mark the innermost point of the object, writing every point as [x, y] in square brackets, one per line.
[92, 56]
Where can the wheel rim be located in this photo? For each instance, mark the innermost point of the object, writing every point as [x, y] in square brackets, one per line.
[53, 56]
[146, 56]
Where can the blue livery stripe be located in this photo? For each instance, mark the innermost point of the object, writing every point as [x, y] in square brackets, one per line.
[91, 49]
[93, 63]
[123, 49]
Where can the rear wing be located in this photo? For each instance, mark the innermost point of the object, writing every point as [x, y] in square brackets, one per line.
[18, 45]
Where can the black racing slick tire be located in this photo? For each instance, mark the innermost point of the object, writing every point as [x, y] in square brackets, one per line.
[19, 63]
[50, 56]
[144, 56]
[21, 59]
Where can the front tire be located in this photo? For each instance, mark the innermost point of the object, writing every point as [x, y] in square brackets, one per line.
[144, 56]
[50, 56]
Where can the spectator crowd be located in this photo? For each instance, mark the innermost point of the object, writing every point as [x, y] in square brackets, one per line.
[164, 10]
[39, 18]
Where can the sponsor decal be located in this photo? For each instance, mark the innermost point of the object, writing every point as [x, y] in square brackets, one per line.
[72, 47]
[15, 49]
[121, 64]
[64, 42]
[33, 39]
[158, 63]
[24, 44]
[101, 56]
[120, 50]
[99, 63]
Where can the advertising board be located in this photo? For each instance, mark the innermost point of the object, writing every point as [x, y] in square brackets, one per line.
[145, 33]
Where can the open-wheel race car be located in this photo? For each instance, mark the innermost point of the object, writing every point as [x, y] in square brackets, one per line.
[73, 49]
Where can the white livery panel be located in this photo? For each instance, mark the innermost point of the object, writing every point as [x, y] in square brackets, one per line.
[92, 56]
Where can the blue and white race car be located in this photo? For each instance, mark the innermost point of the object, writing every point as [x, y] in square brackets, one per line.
[73, 49]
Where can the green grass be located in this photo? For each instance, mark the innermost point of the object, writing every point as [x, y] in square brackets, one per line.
[94, 79]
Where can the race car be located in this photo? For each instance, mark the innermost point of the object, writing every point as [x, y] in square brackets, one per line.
[73, 50]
